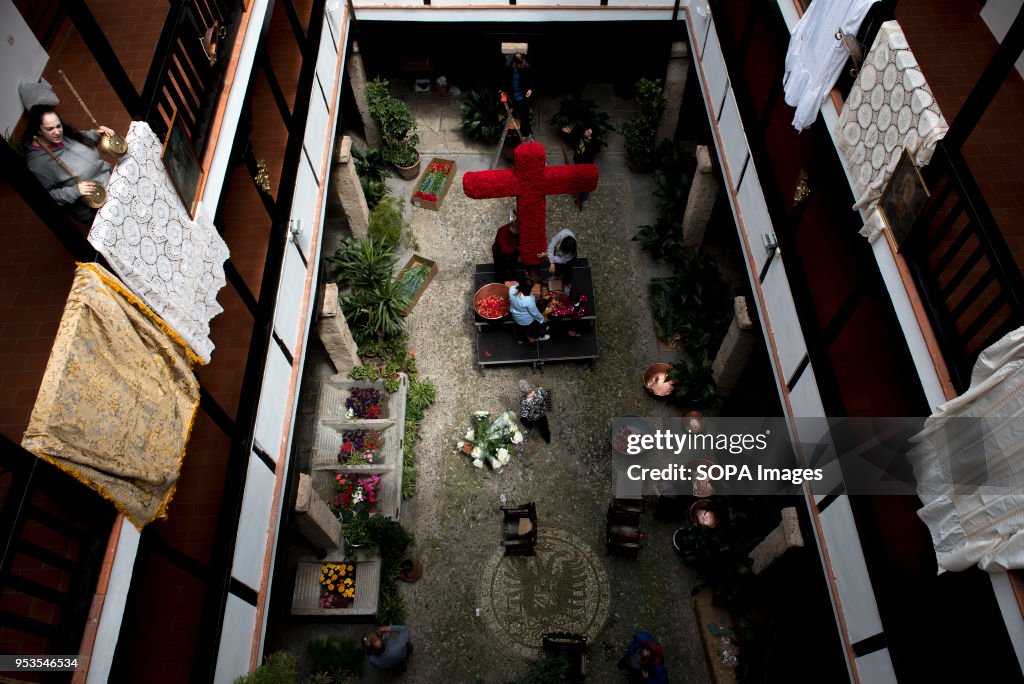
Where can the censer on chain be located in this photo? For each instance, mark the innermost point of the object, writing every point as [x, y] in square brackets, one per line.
[114, 145]
[95, 199]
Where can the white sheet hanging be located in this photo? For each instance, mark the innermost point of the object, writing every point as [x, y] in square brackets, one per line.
[977, 524]
[815, 57]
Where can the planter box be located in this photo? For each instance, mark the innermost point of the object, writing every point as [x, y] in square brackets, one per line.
[327, 443]
[440, 193]
[306, 597]
[417, 260]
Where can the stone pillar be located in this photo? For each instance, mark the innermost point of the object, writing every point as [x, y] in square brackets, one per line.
[334, 333]
[675, 84]
[346, 192]
[357, 78]
[780, 540]
[314, 518]
[735, 349]
[703, 191]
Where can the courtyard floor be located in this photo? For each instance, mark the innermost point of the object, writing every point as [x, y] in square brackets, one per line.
[476, 616]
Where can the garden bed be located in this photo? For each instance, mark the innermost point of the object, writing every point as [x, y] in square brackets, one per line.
[306, 598]
[388, 497]
[330, 440]
[433, 184]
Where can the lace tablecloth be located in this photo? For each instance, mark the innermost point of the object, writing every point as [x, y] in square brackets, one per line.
[171, 262]
[889, 108]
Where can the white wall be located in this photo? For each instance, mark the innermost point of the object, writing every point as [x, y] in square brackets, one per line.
[998, 15]
[23, 60]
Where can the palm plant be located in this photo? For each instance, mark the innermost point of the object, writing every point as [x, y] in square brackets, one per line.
[372, 170]
[377, 311]
[363, 262]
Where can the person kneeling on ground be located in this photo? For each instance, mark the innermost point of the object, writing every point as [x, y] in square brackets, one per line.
[388, 647]
[523, 306]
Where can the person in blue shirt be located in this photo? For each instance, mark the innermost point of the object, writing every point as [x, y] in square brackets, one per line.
[388, 647]
[525, 313]
[644, 660]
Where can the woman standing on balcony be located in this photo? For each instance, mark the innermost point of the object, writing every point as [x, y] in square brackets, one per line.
[77, 150]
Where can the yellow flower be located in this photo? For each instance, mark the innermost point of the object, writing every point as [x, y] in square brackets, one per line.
[330, 587]
[348, 581]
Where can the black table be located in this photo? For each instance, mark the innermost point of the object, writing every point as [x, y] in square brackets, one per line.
[496, 343]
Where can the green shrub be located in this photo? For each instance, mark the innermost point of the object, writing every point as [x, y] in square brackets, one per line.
[391, 609]
[390, 536]
[278, 668]
[483, 116]
[396, 123]
[389, 224]
[641, 129]
[336, 657]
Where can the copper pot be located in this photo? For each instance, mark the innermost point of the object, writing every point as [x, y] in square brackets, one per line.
[656, 380]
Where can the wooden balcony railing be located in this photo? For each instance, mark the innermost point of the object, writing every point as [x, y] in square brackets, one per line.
[54, 532]
[965, 272]
[188, 66]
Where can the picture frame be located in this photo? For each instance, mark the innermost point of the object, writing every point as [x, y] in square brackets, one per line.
[182, 163]
[902, 200]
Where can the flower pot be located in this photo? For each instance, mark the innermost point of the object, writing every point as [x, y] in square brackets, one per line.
[410, 570]
[409, 172]
[656, 380]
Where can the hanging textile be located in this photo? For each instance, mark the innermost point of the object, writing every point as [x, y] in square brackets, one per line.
[815, 58]
[118, 398]
[173, 263]
[969, 465]
[889, 108]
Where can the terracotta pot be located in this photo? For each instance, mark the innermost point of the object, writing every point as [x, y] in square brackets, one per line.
[410, 570]
[409, 172]
[656, 380]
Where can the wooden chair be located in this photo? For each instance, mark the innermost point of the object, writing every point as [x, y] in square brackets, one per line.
[519, 528]
[573, 647]
[622, 529]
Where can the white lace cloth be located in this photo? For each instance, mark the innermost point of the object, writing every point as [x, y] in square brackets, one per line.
[815, 58]
[970, 466]
[889, 108]
[171, 262]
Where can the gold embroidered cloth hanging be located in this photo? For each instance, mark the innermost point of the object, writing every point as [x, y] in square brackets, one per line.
[118, 398]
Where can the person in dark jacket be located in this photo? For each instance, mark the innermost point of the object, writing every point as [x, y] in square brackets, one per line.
[584, 149]
[520, 93]
[77, 150]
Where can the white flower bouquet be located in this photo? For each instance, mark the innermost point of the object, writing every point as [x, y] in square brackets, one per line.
[491, 442]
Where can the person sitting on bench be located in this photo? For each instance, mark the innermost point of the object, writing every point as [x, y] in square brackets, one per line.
[527, 317]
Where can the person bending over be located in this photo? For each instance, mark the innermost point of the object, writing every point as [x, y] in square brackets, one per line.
[527, 317]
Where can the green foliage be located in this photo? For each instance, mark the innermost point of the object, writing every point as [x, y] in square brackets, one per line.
[551, 669]
[374, 191]
[663, 239]
[641, 129]
[363, 262]
[337, 658]
[673, 175]
[408, 478]
[421, 395]
[396, 122]
[389, 224]
[356, 531]
[580, 114]
[694, 383]
[278, 668]
[370, 164]
[376, 311]
[483, 116]
[366, 373]
[390, 536]
[692, 306]
[391, 609]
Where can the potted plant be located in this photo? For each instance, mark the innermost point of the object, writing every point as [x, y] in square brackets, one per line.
[397, 128]
[580, 114]
[372, 170]
[483, 116]
[694, 383]
[641, 129]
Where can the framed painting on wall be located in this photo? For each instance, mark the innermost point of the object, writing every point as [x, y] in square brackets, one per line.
[902, 200]
[182, 163]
